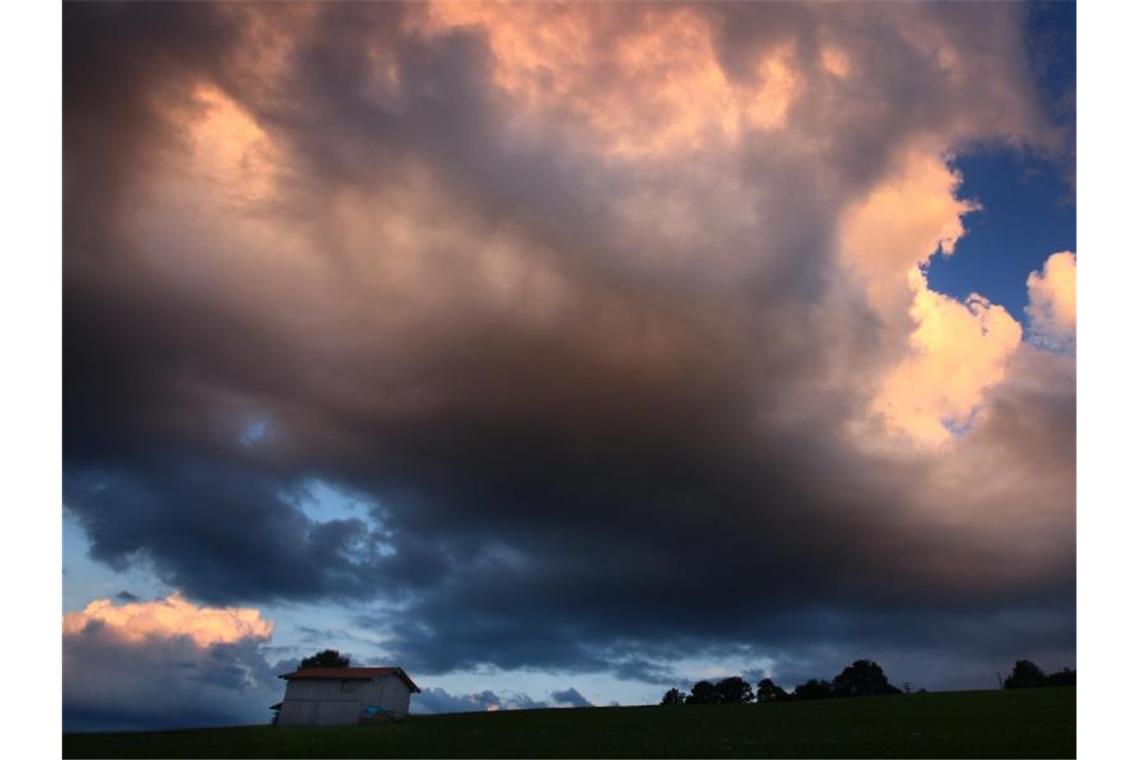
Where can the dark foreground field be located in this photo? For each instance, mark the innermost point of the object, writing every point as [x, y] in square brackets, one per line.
[1022, 723]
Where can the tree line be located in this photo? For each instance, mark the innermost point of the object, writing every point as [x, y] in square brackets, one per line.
[859, 679]
[1026, 675]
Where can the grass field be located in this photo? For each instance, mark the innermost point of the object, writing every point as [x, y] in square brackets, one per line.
[1021, 723]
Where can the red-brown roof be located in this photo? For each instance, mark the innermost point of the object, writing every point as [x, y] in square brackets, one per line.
[350, 674]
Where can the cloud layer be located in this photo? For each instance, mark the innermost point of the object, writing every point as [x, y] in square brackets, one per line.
[166, 618]
[164, 663]
[614, 316]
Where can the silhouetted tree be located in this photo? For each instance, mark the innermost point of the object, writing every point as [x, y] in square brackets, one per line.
[673, 697]
[860, 679]
[1025, 675]
[1064, 677]
[812, 689]
[702, 693]
[329, 658]
[767, 691]
[734, 690]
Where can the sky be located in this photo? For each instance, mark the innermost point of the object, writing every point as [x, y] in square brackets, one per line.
[563, 354]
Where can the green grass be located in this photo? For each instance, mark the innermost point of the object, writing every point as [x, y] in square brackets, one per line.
[1022, 723]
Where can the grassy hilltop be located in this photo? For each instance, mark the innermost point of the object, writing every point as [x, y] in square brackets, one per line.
[1018, 723]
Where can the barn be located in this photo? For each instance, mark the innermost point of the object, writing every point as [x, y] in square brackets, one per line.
[339, 696]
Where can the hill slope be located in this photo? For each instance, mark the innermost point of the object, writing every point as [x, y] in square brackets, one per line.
[1023, 723]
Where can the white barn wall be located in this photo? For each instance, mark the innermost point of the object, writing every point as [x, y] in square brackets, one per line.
[321, 702]
[387, 692]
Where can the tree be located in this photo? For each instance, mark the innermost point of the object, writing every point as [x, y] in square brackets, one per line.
[734, 690]
[1064, 677]
[702, 693]
[862, 678]
[814, 688]
[329, 658]
[1025, 675]
[673, 697]
[767, 691]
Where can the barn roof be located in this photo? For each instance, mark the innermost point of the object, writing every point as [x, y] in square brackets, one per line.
[349, 674]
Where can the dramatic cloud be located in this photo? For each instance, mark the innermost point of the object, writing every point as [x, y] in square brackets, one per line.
[614, 319]
[910, 216]
[164, 663]
[136, 621]
[1053, 300]
[958, 351]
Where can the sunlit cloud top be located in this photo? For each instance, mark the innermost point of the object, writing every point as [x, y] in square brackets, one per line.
[169, 618]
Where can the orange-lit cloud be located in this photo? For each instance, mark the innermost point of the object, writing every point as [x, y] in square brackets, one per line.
[229, 148]
[954, 351]
[911, 215]
[591, 62]
[957, 351]
[171, 617]
[835, 62]
[1053, 298]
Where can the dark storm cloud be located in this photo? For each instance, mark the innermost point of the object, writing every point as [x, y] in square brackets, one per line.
[160, 512]
[117, 60]
[589, 444]
[638, 669]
